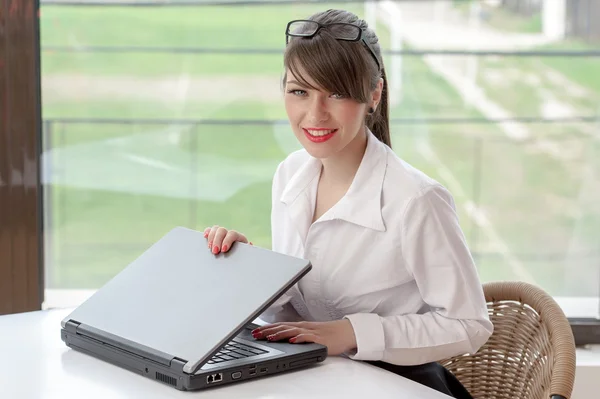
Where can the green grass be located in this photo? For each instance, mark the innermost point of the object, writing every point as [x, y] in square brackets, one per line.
[518, 93]
[222, 173]
[582, 70]
[107, 226]
[220, 28]
[216, 138]
[100, 232]
[143, 64]
[227, 27]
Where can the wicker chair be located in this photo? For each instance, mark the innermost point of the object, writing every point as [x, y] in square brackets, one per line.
[530, 355]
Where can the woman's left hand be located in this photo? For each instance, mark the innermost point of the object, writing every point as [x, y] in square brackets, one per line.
[337, 336]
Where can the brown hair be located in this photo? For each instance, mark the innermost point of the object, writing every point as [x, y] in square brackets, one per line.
[344, 67]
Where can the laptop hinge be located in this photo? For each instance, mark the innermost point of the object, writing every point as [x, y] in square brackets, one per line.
[71, 326]
[119, 343]
[177, 364]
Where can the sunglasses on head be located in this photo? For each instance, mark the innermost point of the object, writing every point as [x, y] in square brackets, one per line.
[341, 31]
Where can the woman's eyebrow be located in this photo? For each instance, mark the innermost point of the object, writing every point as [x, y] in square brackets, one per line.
[297, 83]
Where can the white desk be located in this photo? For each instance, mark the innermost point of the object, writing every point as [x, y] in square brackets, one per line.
[35, 363]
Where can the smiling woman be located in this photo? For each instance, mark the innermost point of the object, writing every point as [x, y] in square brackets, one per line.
[393, 281]
[318, 116]
[329, 85]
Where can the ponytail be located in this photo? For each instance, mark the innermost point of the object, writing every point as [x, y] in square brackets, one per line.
[379, 122]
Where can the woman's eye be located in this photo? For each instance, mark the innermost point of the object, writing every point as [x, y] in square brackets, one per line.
[297, 92]
[337, 95]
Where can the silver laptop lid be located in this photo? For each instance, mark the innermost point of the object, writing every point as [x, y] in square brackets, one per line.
[180, 299]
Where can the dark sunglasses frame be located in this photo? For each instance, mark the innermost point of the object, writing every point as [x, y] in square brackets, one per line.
[360, 37]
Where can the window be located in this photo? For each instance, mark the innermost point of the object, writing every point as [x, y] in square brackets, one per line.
[172, 115]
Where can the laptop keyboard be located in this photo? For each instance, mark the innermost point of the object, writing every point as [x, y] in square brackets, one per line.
[235, 350]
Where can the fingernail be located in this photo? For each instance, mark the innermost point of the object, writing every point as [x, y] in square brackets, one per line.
[224, 249]
[215, 249]
[251, 243]
[292, 340]
[271, 337]
[255, 330]
[205, 235]
[256, 335]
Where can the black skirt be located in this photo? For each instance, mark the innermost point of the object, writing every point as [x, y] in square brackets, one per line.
[433, 375]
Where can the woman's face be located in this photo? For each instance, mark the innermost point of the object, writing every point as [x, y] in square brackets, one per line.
[324, 123]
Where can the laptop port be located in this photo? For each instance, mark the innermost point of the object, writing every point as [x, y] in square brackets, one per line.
[263, 370]
[252, 370]
[213, 378]
[236, 376]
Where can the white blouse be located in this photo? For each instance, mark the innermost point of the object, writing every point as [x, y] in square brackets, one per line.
[389, 256]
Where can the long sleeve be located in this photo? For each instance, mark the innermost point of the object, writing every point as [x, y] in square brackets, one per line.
[455, 321]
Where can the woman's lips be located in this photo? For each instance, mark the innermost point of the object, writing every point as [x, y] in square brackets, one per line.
[319, 135]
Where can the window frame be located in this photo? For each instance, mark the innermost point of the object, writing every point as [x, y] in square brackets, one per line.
[21, 230]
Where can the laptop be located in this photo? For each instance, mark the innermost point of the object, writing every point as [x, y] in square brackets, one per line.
[183, 316]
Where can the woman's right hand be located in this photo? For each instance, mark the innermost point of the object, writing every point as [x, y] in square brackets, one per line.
[220, 239]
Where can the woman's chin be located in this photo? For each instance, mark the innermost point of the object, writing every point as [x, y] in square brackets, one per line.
[317, 150]
[320, 152]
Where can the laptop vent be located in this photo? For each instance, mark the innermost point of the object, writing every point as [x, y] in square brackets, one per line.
[166, 379]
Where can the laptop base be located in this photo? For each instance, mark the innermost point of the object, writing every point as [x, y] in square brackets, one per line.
[174, 376]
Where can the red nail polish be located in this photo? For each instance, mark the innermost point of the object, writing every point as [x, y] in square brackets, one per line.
[255, 330]
[292, 340]
[216, 249]
[224, 249]
[205, 235]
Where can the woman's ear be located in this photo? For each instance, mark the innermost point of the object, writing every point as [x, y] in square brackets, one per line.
[377, 93]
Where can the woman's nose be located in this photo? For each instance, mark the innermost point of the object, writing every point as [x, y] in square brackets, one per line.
[318, 111]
